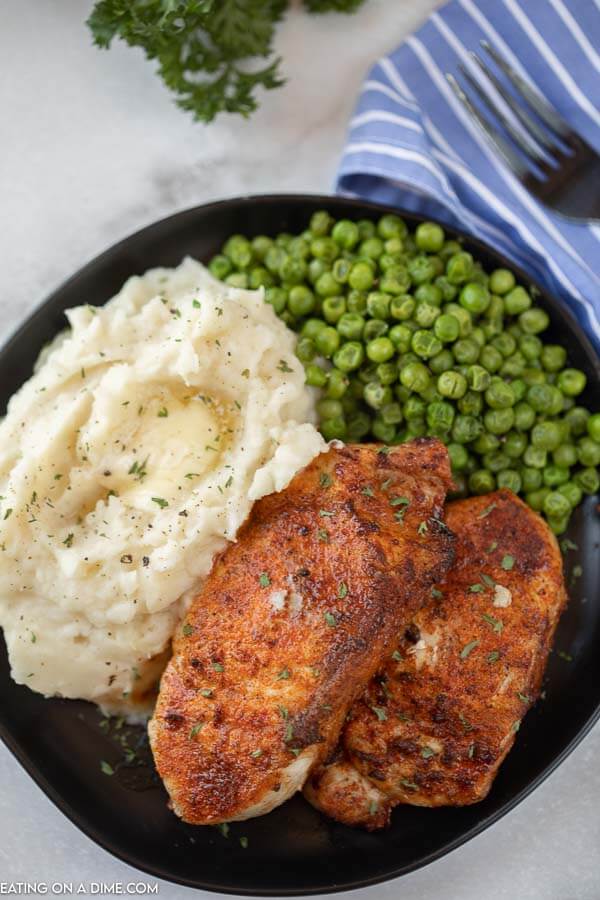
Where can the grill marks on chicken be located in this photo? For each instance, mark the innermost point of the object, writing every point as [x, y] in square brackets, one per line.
[293, 622]
[433, 728]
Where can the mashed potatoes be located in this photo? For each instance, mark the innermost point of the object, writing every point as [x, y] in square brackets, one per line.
[126, 462]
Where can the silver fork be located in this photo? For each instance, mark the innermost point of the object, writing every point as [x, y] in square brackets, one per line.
[551, 160]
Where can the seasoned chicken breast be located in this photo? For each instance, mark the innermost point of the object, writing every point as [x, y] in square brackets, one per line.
[293, 622]
[434, 726]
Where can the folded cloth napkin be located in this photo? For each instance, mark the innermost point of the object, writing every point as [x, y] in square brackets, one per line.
[411, 144]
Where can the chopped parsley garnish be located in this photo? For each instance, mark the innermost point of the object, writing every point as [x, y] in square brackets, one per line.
[427, 752]
[488, 580]
[139, 470]
[397, 656]
[409, 784]
[245, 373]
[256, 753]
[326, 513]
[422, 529]
[342, 590]
[106, 768]
[224, 829]
[568, 544]
[576, 571]
[508, 562]
[7, 514]
[196, 304]
[465, 722]
[68, 541]
[496, 624]
[493, 657]
[516, 726]
[493, 546]
[487, 510]
[206, 692]
[187, 629]
[476, 588]
[468, 649]
[244, 842]
[264, 579]
[284, 675]
[33, 637]
[283, 712]
[524, 698]
[196, 729]
[160, 502]
[384, 450]
[217, 666]
[368, 491]
[399, 515]
[330, 619]
[373, 807]
[283, 366]
[289, 733]
[436, 594]
[323, 535]
[385, 484]
[192, 475]
[127, 559]
[163, 412]
[566, 656]
[380, 713]
[325, 479]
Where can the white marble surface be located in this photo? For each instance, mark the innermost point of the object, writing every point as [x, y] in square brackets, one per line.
[91, 149]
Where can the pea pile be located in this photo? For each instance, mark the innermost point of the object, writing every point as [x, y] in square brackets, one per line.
[407, 335]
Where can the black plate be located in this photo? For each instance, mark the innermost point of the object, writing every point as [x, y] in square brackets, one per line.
[294, 850]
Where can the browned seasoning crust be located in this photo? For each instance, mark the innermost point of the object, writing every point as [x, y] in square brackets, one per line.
[292, 623]
[434, 727]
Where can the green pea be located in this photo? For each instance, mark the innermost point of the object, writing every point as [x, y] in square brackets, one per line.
[402, 307]
[531, 347]
[486, 442]
[504, 343]
[378, 305]
[220, 266]
[517, 302]
[429, 237]
[556, 505]
[588, 452]
[356, 301]
[333, 429]
[415, 376]
[358, 426]
[553, 357]
[478, 335]
[299, 246]
[374, 328]
[558, 525]
[471, 404]
[391, 413]
[519, 388]
[466, 351]
[496, 461]
[425, 344]
[535, 499]
[239, 250]
[260, 277]
[466, 429]
[481, 482]
[274, 259]
[501, 281]
[499, 421]
[371, 248]
[329, 408]
[441, 362]
[524, 416]
[316, 268]
[345, 233]
[382, 431]
[535, 457]
[306, 349]
[390, 226]
[261, 244]
[514, 366]
[571, 382]
[544, 398]
[459, 268]
[277, 297]
[380, 349]
[577, 419]
[429, 293]
[465, 322]
[593, 427]
[293, 270]
[565, 455]
[572, 492]
[237, 280]
[326, 285]
[361, 276]
[499, 395]
[395, 280]
[394, 246]
[401, 337]
[453, 385]
[333, 309]
[325, 249]
[349, 357]
[366, 229]
[531, 478]
[478, 378]
[377, 395]
[387, 372]
[446, 328]
[533, 320]
[337, 384]
[440, 416]
[510, 480]
[474, 298]
[515, 444]
[321, 222]
[312, 327]
[415, 428]
[327, 341]
[350, 326]
[301, 300]
[490, 359]
[555, 475]
[426, 314]
[459, 456]
[421, 269]
[449, 290]
[315, 375]
[588, 480]
[492, 327]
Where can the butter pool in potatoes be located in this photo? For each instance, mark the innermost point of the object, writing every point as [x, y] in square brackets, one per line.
[127, 461]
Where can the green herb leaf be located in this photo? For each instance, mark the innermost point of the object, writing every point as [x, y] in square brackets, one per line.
[508, 562]
[163, 412]
[493, 657]
[160, 502]
[283, 366]
[68, 541]
[380, 712]
[330, 619]
[206, 692]
[468, 649]
[188, 629]
[106, 768]
[368, 491]
[422, 529]
[256, 753]
[325, 480]
[496, 624]
[284, 675]
[196, 729]
[342, 590]
[264, 579]
[427, 752]
[487, 510]
[397, 656]
[217, 666]
[244, 842]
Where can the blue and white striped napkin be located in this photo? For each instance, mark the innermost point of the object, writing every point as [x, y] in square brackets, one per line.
[411, 144]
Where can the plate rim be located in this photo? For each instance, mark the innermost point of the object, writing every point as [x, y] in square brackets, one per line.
[553, 302]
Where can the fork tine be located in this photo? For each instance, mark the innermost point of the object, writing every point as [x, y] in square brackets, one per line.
[538, 103]
[541, 136]
[493, 136]
[521, 139]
